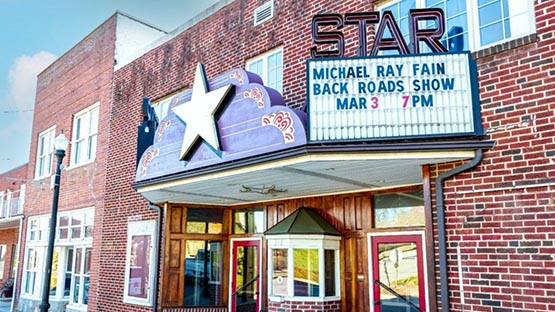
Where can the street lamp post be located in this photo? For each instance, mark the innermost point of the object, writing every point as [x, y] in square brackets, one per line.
[60, 144]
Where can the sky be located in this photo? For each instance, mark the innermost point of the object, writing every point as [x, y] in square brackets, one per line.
[35, 32]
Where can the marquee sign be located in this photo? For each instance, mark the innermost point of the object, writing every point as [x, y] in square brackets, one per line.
[426, 95]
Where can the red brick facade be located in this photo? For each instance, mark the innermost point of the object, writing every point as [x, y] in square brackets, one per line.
[9, 233]
[499, 215]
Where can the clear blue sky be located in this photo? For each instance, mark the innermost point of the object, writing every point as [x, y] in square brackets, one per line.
[34, 32]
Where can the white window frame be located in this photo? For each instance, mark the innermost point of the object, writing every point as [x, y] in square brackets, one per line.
[474, 23]
[87, 141]
[87, 220]
[38, 245]
[3, 248]
[45, 153]
[81, 275]
[264, 58]
[162, 106]
[135, 229]
[291, 242]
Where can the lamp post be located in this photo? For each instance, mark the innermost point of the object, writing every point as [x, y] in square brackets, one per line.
[60, 144]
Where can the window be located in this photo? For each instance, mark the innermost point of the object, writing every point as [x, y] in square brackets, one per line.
[85, 128]
[76, 224]
[161, 107]
[309, 258]
[205, 221]
[69, 280]
[280, 277]
[45, 153]
[81, 276]
[269, 66]
[2, 259]
[32, 273]
[203, 274]
[140, 257]
[399, 209]
[480, 23]
[248, 221]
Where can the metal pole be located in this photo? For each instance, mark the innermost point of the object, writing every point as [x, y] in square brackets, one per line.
[45, 305]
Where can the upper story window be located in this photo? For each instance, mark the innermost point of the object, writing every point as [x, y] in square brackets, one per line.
[269, 66]
[480, 23]
[161, 107]
[75, 225]
[45, 153]
[85, 129]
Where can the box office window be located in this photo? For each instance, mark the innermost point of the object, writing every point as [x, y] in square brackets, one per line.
[399, 209]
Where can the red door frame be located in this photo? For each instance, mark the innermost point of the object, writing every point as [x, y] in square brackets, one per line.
[416, 238]
[234, 245]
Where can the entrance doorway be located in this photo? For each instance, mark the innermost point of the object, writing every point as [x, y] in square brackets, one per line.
[245, 275]
[396, 262]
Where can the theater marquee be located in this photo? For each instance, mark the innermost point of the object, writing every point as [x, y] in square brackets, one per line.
[426, 95]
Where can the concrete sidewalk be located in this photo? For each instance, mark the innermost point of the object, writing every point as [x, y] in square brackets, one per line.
[5, 304]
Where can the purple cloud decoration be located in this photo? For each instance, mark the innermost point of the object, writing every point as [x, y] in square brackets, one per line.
[254, 121]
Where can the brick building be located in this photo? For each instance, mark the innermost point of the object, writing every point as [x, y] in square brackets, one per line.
[73, 97]
[12, 198]
[250, 199]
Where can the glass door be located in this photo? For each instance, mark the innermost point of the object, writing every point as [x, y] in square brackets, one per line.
[245, 276]
[397, 271]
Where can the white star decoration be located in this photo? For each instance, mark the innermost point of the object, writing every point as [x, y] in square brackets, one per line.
[198, 114]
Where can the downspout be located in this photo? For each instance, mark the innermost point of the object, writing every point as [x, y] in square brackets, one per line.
[443, 276]
[157, 249]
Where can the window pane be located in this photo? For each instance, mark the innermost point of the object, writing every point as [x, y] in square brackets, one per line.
[399, 209]
[54, 272]
[205, 220]
[251, 221]
[279, 277]
[329, 264]
[202, 288]
[306, 276]
[490, 13]
[139, 267]
[69, 264]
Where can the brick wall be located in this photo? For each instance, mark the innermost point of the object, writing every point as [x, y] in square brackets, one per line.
[223, 41]
[500, 216]
[78, 79]
[305, 306]
[8, 237]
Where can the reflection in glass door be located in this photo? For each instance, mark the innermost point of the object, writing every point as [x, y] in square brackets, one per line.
[397, 273]
[245, 279]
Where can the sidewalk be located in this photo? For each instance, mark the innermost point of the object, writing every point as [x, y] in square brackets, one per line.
[5, 304]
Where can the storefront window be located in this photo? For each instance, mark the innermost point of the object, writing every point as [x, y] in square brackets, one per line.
[399, 209]
[203, 264]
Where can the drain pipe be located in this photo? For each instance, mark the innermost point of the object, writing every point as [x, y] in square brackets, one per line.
[442, 246]
[157, 249]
